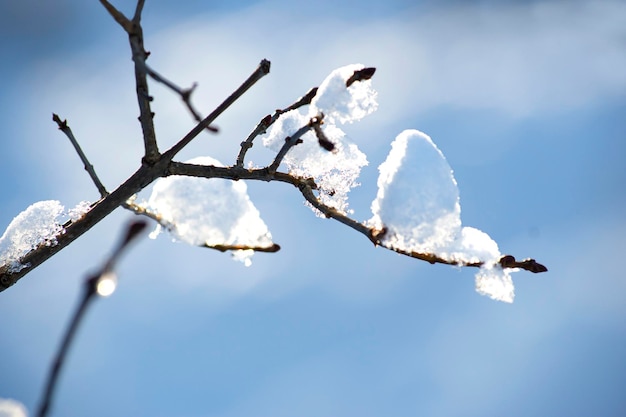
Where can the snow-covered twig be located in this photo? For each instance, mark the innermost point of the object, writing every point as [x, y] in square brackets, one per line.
[268, 120]
[293, 140]
[507, 261]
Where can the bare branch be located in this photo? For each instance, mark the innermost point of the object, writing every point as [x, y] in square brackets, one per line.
[361, 75]
[268, 120]
[262, 70]
[88, 167]
[146, 115]
[184, 93]
[138, 10]
[90, 291]
[224, 248]
[118, 16]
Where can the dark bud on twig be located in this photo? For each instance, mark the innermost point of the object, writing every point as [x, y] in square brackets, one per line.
[306, 99]
[361, 75]
[509, 261]
[265, 66]
[61, 123]
[377, 234]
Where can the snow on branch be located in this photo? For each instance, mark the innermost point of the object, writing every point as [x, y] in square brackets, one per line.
[204, 203]
[213, 213]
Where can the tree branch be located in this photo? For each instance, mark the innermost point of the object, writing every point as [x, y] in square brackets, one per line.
[269, 120]
[119, 17]
[293, 140]
[506, 261]
[185, 94]
[90, 291]
[138, 11]
[139, 55]
[72, 230]
[262, 70]
[63, 126]
[306, 187]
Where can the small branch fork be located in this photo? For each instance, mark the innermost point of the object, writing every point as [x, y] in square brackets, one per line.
[156, 165]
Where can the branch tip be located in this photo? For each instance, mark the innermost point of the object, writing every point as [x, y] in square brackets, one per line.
[361, 75]
[264, 66]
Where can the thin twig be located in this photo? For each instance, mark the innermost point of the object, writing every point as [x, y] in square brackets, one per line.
[135, 37]
[269, 120]
[63, 127]
[144, 211]
[184, 93]
[46, 402]
[506, 261]
[138, 10]
[224, 248]
[89, 292]
[361, 75]
[262, 70]
[322, 139]
[119, 17]
[293, 140]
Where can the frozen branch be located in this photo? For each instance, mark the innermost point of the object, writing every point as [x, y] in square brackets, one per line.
[507, 261]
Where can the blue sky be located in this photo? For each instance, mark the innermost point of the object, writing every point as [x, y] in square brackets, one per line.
[525, 99]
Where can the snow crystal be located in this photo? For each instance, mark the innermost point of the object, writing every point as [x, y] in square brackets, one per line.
[12, 408]
[334, 172]
[38, 224]
[495, 282]
[344, 104]
[79, 211]
[201, 211]
[418, 205]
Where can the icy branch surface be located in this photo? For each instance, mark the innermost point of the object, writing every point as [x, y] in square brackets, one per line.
[39, 224]
[418, 207]
[209, 212]
[335, 172]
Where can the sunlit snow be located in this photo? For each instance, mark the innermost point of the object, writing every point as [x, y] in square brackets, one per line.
[41, 223]
[343, 104]
[201, 211]
[334, 172]
[418, 205]
[12, 408]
